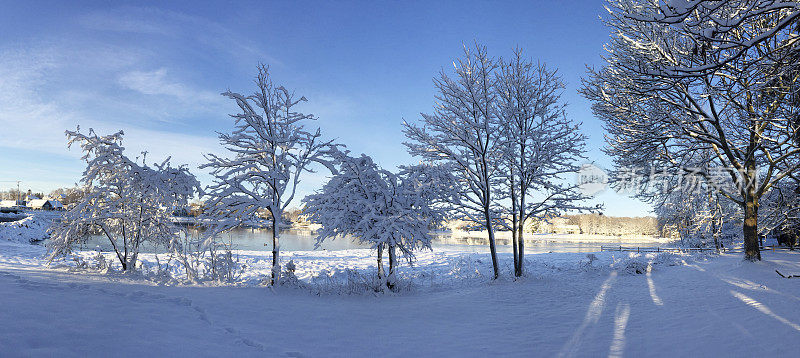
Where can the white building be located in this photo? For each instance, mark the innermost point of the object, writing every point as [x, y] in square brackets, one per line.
[8, 203]
[45, 204]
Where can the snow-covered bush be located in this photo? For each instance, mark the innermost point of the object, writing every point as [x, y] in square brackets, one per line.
[638, 264]
[222, 264]
[203, 259]
[388, 211]
[127, 201]
[288, 278]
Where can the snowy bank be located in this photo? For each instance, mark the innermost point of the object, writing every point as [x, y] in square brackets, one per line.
[354, 271]
[29, 227]
[567, 238]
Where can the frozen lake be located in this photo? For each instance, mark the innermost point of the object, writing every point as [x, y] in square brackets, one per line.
[305, 240]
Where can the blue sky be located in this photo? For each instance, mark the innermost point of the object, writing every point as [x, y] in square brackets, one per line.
[155, 70]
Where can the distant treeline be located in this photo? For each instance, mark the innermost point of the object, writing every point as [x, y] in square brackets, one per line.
[597, 224]
[13, 194]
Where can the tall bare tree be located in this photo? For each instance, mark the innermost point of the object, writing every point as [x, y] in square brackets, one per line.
[463, 132]
[540, 146]
[270, 150]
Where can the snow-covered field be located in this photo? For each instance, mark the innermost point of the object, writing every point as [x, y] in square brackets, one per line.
[567, 306]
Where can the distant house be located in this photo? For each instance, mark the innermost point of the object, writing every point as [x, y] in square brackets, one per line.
[11, 203]
[569, 229]
[45, 204]
[558, 225]
[30, 197]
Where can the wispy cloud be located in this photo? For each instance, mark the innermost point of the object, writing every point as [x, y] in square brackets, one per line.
[44, 90]
[154, 82]
[126, 20]
[26, 113]
[57, 82]
[179, 26]
[157, 83]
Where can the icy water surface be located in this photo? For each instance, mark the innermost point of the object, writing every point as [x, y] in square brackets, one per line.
[305, 240]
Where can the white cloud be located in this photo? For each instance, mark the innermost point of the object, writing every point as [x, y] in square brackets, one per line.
[156, 83]
[152, 83]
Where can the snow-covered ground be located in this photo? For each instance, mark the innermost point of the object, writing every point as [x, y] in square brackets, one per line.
[681, 306]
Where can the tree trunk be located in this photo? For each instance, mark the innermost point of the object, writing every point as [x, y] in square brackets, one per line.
[750, 229]
[134, 258]
[492, 247]
[514, 240]
[514, 221]
[380, 262]
[520, 270]
[392, 264]
[392, 259]
[276, 265]
[717, 223]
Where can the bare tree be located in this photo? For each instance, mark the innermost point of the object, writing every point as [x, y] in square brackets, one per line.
[270, 151]
[539, 147]
[463, 132]
[700, 77]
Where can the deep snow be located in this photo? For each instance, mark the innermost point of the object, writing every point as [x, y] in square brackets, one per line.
[699, 307]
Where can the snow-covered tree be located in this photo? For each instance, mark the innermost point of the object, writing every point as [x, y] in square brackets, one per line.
[699, 215]
[780, 208]
[688, 203]
[386, 210]
[67, 196]
[125, 200]
[270, 150]
[540, 146]
[706, 76]
[463, 133]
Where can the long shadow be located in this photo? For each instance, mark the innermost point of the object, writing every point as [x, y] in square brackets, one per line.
[620, 324]
[652, 286]
[763, 309]
[592, 316]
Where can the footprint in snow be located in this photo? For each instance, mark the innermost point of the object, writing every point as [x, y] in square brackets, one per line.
[251, 343]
